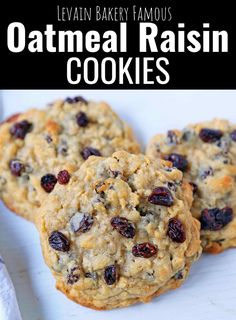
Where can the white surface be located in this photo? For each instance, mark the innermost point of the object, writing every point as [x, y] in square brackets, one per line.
[210, 291]
[9, 309]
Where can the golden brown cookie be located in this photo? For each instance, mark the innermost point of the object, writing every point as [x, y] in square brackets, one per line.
[120, 231]
[37, 144]
[206, 153]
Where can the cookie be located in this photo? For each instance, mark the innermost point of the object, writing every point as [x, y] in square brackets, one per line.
[120, 232]
[37, 144]
[206, 153]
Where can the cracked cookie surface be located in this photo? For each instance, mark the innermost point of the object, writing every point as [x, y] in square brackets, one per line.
[120, 232]
[37, 144]
[206, 153]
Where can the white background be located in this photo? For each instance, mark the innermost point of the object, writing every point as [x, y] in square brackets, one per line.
[210, 291]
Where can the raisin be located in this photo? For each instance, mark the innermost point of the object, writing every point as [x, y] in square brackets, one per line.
[204, 173]
[63, 177]
[110, 274]
[161, 196]
[215, 219]
[91, 275]
[20, 129]
[178, 161]
[81, 222]
[176, 230]
[143, 211]
[178, 275]
[48, 138]
[86, 223]
[224, 144]
[187, 135]
[171, 186]
[227, 161]
[89, 151]
[62, 148]
[194, 187]
[115, 173]
[123, 226]
[172, 137]
[58, 241]
[82, 119]
[73, 276]
[144, 250]
[100, 187]
[150, 275]
[16, 167]
[210, 135]
[48, 182]
[76, 99]
[233, 135]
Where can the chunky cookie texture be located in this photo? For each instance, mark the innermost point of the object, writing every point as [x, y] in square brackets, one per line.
[41, 148]
[206, 154]
[120, 231]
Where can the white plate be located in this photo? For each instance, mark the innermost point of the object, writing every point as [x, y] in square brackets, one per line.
[210, 291]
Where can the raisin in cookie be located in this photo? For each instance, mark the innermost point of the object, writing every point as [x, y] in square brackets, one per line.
[206, 153]
[36, 145]
[120, 231]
